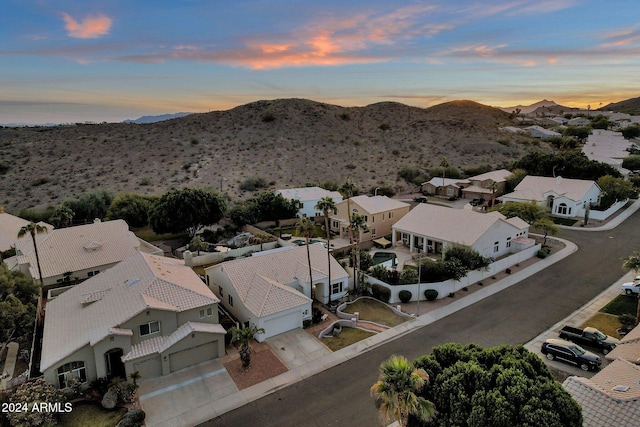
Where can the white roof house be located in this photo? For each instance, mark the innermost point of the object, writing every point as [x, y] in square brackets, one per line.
[608, 147]
[67, 254]
[609, 398]
[10, 226]
[308, 198]
[536, 131]
[579, 121]
[132, 317]
[565, 197]
[273, 290]
[431, 229]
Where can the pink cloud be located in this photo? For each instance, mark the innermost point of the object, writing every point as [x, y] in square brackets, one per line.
[91, 27]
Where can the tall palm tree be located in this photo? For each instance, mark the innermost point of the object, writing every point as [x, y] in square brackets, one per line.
[359, 225]
[396, 391]
[347, 189]
[244, 335]
[305, 227]
[33, 229]
[62, 216]
[444, 164]
[327, 205]
[632, 262]
[493, 187]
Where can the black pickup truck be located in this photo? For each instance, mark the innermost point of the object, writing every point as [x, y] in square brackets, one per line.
[589, 337]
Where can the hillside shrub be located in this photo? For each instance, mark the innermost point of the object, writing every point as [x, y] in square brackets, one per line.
[431, 294]
[253, 183]
[380, 292]
[405, 296]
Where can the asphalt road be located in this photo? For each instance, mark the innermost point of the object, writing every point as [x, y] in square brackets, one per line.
[340, 395]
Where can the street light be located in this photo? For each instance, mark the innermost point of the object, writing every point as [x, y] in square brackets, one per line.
[375, 192]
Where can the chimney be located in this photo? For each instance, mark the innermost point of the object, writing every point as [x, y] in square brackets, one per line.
[558, 180]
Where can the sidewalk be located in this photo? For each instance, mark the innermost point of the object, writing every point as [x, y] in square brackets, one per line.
[192, 410]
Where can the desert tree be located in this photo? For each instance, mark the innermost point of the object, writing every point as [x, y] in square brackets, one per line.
[32, 229]
[547, 226]
[244, 335]
[632, 262]
[397, 391]
[326, 205]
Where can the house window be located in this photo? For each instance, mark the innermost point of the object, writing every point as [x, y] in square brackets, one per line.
[508, 242]
[366, 218]
[449, 191]
[496, 246]
[562, 209]
[206, 313]
[220, 291]
[210, 311]
[336, 288]
[68, 370]
[150, 328]
[373, 232]
[373, 219]
[390, 215]
[92, 273]
[230, 300]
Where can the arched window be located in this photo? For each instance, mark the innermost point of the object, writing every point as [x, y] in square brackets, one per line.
[562, 209]
[68, 370]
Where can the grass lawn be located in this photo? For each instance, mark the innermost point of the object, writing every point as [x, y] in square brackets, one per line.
[147, 234]
[564, 221]
[622, 304]
[90, 414]
[347, 337]
[605, 323]
[317, 232]
[375, 311]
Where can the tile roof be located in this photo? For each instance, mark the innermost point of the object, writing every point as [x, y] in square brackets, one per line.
[609, 398]
[497, 176]
[10, 226]
[95, 309]
[309, 193]
[378, 204]
[438, 182]
[262, 281]
[628, 348]
[535, 187]
[79, 248]
[452, 225]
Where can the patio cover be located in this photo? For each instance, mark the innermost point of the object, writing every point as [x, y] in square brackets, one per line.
[384, 243]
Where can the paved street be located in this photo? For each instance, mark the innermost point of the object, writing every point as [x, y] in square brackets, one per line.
[340, 395]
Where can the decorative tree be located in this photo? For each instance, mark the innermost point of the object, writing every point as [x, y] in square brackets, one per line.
[32, 228]
[397, 391]
[32, 394]
[358, 225]
[243, 335]
[547, 226]
[348, 189]
[327, 205]
[305, 227]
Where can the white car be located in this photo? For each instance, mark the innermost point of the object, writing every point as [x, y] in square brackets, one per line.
[631, 288]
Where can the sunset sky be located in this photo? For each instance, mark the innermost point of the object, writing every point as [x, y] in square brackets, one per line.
[72, 61]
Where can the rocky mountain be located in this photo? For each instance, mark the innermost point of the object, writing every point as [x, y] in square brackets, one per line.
[155, 119]
[526, 109]
[629, 106]
[288, 142]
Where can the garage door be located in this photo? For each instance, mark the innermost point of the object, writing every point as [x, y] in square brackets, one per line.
[148, 368]
[279, 325]
[193, 356]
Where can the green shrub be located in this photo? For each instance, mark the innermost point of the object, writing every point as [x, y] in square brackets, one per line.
[253, 183]
[268, 117]
[542, 254]
[380, 292]
[405, 296]
[431, 294]
[133, 418]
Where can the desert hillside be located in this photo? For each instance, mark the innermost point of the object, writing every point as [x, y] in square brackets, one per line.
[288, 142]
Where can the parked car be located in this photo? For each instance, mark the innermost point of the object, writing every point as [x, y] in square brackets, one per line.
[420, 199]
[476, 202]
[590, 337]
[571, 353]
[631, 288]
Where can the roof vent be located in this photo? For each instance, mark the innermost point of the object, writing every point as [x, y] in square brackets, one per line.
[133, 281]
[621, 388]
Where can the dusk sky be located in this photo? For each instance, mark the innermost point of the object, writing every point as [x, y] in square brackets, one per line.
[75, 61]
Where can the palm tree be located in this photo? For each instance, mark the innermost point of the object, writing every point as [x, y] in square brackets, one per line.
[243, 335]
[444, 164]
[33, 229]
[347, 189]
[135, 377]
[260, 239]
[359, 225]
[327, 205]
[396, 391]
[632, 262]
[62, 216]
[493, 187]
[305, 227]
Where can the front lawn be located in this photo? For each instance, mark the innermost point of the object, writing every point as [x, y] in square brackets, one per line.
[91, 414]
[605, 323]
[347, 337]
[375, 311]
[622, 304]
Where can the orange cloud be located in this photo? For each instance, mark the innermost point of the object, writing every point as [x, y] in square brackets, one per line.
[90, 27]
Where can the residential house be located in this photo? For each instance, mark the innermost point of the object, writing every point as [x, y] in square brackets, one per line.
[480, 186]
[273, 290]
[579, 121]
[69, 255]
[149, 314]
[565, 197]
[431, 229]
[560, 120]
[380, 213]
[608, 147]
[609, 398]
[628, 348]
[308, 197]
[536, 131]
[10, 226]
[444, 187]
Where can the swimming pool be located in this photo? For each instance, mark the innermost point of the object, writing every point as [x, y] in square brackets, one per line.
[388, 259]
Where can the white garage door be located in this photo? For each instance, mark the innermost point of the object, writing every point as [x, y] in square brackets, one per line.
[148, 368]
[193, 356]
[278, 325]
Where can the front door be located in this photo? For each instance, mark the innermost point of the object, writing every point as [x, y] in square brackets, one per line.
[114, 364]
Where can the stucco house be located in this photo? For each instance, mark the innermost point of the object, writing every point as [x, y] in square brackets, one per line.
[536, 131]
[273, 290]
[628, 348]
[579, 121]
[149, 314]
[431, 229]
[308, 197]
[609, 398]
[480, 185]
[380, 213]
[69, 255]
[445, 187]
[10, 226]
[565, 197]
